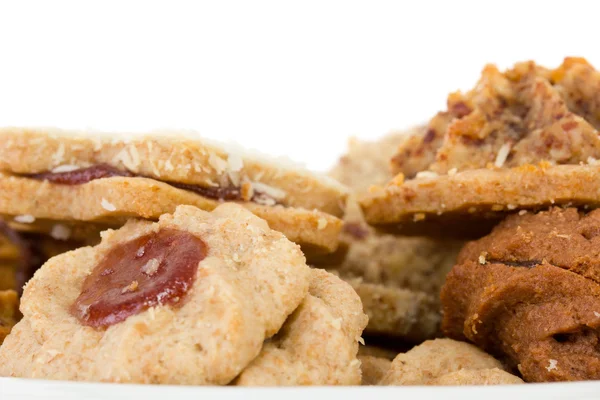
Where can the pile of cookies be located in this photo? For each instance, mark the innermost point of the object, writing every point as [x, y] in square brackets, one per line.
[171, 259]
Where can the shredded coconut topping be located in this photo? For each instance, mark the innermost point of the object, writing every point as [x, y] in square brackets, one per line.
[552, 365]
[24, 219]
[107, 206]
[270, 191]
[65, 168]
[60, 232]
[482, 257]
[502, 155]
[426, 175]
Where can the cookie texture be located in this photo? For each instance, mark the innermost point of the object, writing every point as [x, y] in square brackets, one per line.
[177, 157]
[85, 323]
[432, 361]
[111, 201]
[493, 376]
[318, 344]
[525, 138]
[398, 278]
[529, 292]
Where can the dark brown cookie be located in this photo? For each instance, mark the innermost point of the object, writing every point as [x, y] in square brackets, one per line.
[529, 292]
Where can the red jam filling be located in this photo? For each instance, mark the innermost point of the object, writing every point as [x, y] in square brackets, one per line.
[155, 269]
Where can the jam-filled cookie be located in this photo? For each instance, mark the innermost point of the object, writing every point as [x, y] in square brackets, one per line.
[106, 180]
[446, 362]
[525, 138]
[189, 299]
[318, 344]
[530, 293]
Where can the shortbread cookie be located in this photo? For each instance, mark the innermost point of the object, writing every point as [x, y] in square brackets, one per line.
[318, 344]
[107, 180]
[433, 359]
[523, 139]
[530, 292]
[9, 312]
[373, 369]
[189, 299]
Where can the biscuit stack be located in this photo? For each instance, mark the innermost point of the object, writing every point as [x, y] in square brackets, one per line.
[522, 148]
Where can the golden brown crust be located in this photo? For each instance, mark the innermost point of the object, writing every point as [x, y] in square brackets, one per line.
[474, 201]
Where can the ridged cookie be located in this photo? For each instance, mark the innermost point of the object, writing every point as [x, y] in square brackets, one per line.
[318, 344]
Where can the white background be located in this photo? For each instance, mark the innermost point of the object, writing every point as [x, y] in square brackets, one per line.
[289, 78]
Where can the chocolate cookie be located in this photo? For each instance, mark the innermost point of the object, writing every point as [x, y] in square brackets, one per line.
[437, 362]
[318, 343]
[529, 292]
[189, 299]
[107, 180]
[523, 139]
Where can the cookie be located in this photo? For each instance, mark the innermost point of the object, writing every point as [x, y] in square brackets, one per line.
[530, 293]
[189, 299]
[9, 312]
[373, 369]
[523, 139]
[107, 180]
[493, 376]
[398, 278]
[396, 312]
[431, 361]
[318, 344]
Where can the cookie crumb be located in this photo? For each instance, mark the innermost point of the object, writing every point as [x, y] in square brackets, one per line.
[132, 287]
[597, 314]
[60, 232]
[107, 206]
[322, 224]
[150, 267]
[361, 340]
[552, 365]
[24, 219]
[522, 212]
[502, 155]
[482, 257]
[426, 175]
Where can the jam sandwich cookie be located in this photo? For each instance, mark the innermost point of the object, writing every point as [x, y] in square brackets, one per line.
[525, 138]
[318, 344]
[189, 299]
[106, 180]
[446, 362]
[529, 292]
